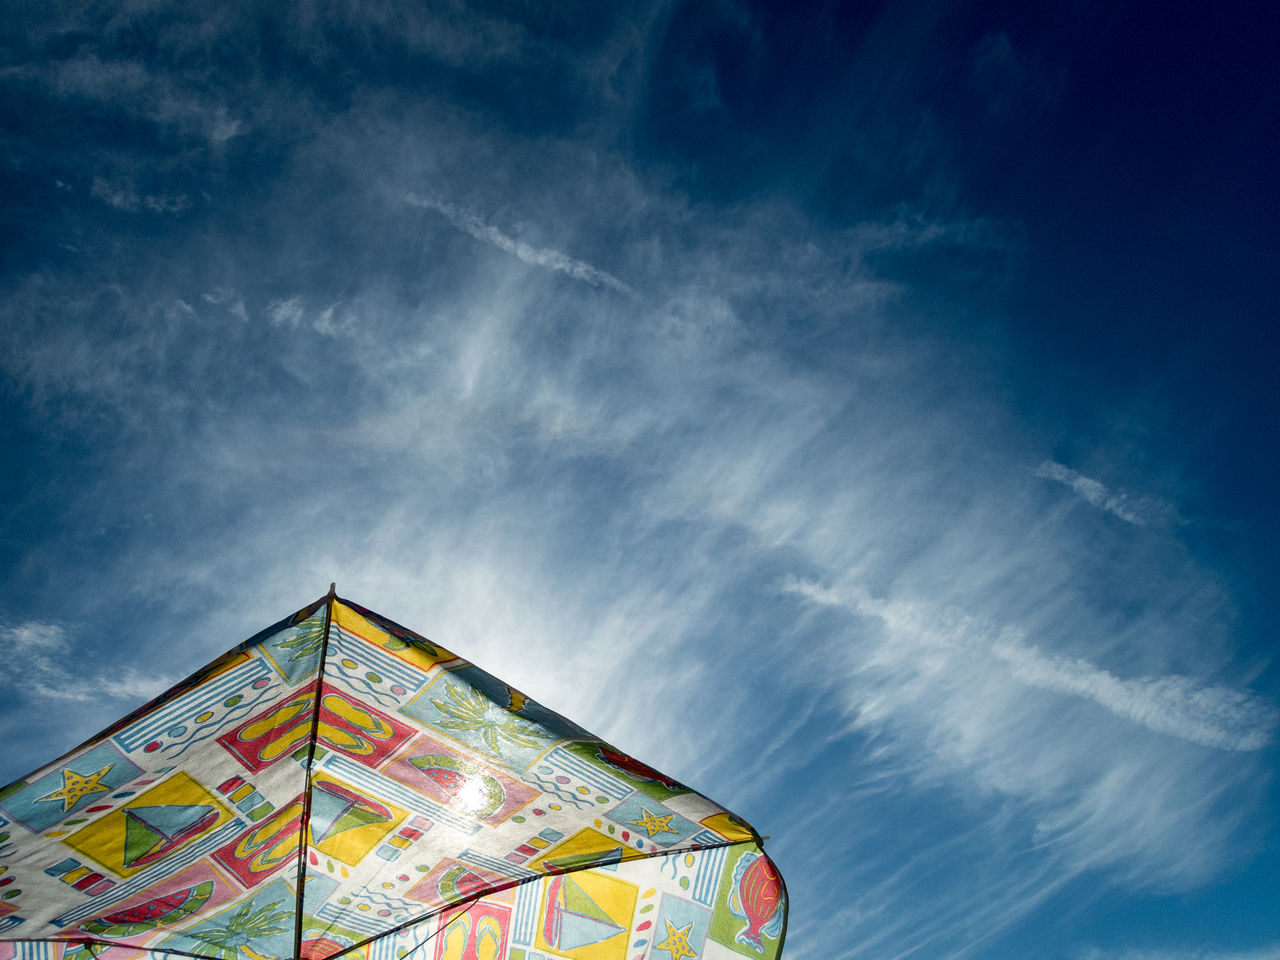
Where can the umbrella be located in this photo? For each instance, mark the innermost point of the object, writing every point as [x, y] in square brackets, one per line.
[338, 785]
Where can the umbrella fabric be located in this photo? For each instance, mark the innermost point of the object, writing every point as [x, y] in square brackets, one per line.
[339, 785]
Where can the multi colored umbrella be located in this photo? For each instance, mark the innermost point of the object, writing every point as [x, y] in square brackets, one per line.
[341, 786]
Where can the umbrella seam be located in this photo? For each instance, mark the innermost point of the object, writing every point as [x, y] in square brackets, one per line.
[305, 826]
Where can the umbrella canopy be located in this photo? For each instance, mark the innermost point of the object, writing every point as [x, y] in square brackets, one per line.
[340, 786]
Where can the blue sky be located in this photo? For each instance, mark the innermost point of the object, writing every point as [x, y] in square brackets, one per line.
[864, 413]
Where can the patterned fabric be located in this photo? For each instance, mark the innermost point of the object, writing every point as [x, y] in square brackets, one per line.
[339, 785]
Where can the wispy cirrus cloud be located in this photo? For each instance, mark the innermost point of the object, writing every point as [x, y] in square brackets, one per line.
[122, 195]
[1179, 706]
[534, 256]
[46, 665]
[1141, 511]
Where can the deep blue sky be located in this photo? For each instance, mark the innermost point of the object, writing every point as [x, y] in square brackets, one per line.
[864, 412]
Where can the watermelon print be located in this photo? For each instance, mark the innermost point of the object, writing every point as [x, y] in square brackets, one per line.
[168, 909]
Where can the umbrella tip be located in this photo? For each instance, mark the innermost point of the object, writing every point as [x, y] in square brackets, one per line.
[333, 589]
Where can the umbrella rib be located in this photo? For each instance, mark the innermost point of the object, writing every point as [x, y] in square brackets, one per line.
[305, 825]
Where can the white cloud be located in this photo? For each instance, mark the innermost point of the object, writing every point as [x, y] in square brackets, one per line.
[34, 638]
[962, 696]
[123, 195]
[45, 664]
[167, 203]
[535, 256]
[182, 102]
[118, 194]
[1178, 706]
[286, 312]
[1136, 510]
[224, 127]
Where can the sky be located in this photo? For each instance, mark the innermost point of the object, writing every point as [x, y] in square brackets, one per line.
[864, 413]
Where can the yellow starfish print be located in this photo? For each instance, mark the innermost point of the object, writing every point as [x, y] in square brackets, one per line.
[653, 824]
[76, 787]
[677, 942]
